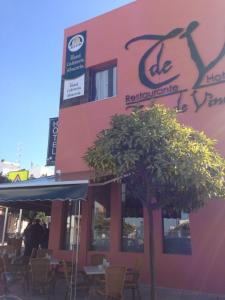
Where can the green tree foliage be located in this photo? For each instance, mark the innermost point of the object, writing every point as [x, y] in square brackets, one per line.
[41, 216]
[179, 164]
[166, 162]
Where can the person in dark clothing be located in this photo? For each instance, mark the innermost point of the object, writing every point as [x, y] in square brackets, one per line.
[27, 239]
[36, 234]
[45, 237]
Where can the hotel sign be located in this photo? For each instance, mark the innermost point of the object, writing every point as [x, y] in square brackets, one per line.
[158, 75]
[74, 77]
[52, 141]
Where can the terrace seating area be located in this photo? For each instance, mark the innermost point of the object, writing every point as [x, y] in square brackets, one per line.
[44, 277]
[41, 274]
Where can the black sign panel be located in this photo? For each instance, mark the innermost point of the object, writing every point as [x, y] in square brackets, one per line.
[75, 55]
[52, 141]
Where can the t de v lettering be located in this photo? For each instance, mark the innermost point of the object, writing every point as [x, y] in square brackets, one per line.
[163, 67]
[202, 68]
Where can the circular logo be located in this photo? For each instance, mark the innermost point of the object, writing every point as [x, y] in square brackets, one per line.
[75, 43]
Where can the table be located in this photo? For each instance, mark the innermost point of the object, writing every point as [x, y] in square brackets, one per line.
[54, 261]
[94, 270]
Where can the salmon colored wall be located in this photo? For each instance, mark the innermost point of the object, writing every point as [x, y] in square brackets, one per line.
[57, 230]
[78, 125]
[202, 271]
[106, 39]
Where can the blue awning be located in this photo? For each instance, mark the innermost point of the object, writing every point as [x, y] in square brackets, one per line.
[43, 189]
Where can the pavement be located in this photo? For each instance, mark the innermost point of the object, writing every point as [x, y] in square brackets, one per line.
[162, 294]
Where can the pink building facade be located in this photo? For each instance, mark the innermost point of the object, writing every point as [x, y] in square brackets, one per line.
[147, 51]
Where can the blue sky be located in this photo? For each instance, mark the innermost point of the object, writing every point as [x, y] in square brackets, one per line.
[31, 45]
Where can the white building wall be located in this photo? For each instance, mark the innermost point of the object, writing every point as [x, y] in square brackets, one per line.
[6, 166]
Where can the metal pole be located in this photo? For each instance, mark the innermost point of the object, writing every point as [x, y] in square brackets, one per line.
[73, 252]
[77, 250]
[19, 221]
[5, 223]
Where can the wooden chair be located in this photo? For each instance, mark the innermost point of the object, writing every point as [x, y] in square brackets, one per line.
[97, 259]
[114, 283]
[132, 278]
[13, 273]
[3, 250]
[16, 244]
[42, 279]
[44, 252]
[33, 253]
[1, 265]
[9, 250]
[69, 271]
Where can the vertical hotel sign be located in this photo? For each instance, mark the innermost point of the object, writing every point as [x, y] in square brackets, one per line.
[74, 77]
[52, 141]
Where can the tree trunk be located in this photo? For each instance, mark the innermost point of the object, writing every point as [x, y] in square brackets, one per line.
[152, 254]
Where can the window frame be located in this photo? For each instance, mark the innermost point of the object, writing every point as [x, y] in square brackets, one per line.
[100, 68]
[92, 223]
[164, 250]
[63, 244]
[124, 198]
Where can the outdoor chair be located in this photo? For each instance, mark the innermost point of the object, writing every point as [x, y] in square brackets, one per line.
[13, 273]
[132, 278]
[8, 249]
[16, 244]
[113, 283]
[44, 253]
[1, 265]
[69, 274]
[33, 253]
[2, 250]
[42, 278]
[97, 259]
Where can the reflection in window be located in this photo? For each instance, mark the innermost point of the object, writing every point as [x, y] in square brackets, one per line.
[176, 229]
[104, 83]
[71, 225]
[132, 222]
[101, 219]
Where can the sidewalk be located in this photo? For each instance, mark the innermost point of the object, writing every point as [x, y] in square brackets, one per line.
[163, 294]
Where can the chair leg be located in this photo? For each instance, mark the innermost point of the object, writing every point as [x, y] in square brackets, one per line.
[5, 284]
[133, 293]
[66, 294]
[24, 287]
[138, 292]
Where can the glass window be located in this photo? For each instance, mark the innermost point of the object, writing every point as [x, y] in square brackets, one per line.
[100, 239]
[12, 223]
[72, 224]
[132, 222]
[104, 83]
[176, 232]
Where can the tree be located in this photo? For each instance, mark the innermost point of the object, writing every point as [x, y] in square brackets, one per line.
[167, 163]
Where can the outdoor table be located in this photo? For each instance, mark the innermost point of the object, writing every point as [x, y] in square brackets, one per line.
[54, 265]
[54, 261]
[94, 270]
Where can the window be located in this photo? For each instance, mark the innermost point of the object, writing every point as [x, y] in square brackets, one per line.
[101, 219]
[103, 83]
[132, 222]
[176, 232]
[71, 225]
